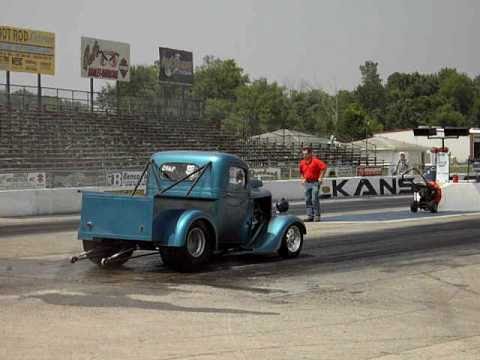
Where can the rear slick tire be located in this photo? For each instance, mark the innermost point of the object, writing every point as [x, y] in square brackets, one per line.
[196, 252]
[104, 249]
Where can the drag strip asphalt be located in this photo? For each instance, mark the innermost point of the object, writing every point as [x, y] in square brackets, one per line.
[34, 225]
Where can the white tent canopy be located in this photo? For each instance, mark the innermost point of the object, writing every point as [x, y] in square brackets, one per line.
[287, 136]
[381, 143]
[389, 151]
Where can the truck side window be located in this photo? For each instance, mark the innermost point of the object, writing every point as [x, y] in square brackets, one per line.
[237, 178]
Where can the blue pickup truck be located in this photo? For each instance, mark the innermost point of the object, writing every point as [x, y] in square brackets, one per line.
[195, 204]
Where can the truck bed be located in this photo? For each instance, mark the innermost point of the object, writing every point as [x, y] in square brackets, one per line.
[114, 216]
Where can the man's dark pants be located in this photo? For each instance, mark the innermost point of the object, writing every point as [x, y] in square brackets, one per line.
[312, 201]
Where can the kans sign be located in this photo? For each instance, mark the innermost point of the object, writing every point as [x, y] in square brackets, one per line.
[103, 59]
[367, 186]
[25, 50]
[176, 65]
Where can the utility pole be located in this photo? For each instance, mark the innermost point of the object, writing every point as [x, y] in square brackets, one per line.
[366, 142]
[8, 88]
[336, 106]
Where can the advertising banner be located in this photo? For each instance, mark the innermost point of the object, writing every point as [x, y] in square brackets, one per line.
[104, 59]
[443, 167]
[366, 186]
[22, 181]
[266, 173]
[176, 66]
[369, 171]
[125, 178]
[24, 50]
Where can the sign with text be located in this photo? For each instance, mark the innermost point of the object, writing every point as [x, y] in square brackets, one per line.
[369, 171]
[25, 50]
[266, 173]
[176, 65]
[366, 186]
[343, 171]
[104, 59]
[443, 167]
[125, 178]
[22, 181]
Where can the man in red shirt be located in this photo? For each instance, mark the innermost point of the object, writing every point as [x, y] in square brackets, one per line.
[312, 171]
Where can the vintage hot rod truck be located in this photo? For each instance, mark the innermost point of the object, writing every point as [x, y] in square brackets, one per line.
[195, 204]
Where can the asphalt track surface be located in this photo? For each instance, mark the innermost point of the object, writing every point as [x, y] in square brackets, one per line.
[296, 208]
[400, 287]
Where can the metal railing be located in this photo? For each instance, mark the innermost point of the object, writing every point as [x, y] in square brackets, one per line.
[25, 97]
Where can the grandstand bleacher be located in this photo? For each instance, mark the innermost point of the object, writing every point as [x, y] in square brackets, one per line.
[32, 140]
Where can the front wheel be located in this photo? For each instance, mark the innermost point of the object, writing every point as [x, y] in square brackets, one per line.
[292, 242]
[196, 252]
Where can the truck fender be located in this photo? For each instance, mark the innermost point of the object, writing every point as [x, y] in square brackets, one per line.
[177, 237]
[272, 239]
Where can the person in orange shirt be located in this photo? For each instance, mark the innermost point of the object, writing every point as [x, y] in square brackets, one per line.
[312, 171]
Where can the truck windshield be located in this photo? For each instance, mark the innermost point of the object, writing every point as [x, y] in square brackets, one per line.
[180, 172]
[177, 171]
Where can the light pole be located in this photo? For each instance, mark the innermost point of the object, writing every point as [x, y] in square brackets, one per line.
[366, 142]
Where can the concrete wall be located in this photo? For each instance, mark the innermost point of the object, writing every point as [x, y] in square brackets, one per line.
[68, 200]
[42, 201]
[460, 197]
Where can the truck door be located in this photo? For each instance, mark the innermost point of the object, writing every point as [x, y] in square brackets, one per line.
[237, 206]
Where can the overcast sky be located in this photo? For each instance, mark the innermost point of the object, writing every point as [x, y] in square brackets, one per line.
[318, 42]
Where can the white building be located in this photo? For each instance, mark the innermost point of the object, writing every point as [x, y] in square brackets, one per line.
[388, 150]
[459, 149]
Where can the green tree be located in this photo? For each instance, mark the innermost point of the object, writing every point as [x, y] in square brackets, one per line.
[446, 115]
[219, 110]
[344, 99]
[218, 79]
[262, 106]
[459, 89]
[312, 111]
[143, 87]
[474, 119]
[358, 124]
[370, 93]
[216, 82]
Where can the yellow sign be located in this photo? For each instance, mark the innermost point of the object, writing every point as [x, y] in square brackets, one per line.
[25, 50]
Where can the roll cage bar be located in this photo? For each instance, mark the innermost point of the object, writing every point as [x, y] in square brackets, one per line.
[152, 164]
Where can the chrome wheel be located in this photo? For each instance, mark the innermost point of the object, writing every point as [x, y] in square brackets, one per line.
[293, 239]
[196, 242]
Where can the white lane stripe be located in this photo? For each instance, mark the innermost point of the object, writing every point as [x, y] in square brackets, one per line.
[402, 220]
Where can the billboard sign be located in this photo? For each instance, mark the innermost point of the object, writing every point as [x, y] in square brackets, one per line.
[176, 66]
[24, 50]
[104, 59]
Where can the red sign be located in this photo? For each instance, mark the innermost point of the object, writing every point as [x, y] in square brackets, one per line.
[369, 171]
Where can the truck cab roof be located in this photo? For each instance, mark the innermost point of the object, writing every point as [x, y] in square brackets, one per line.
[196, 157]
[211, 184]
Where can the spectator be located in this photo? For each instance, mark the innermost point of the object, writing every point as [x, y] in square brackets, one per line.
[402, 165]
[312, 171]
